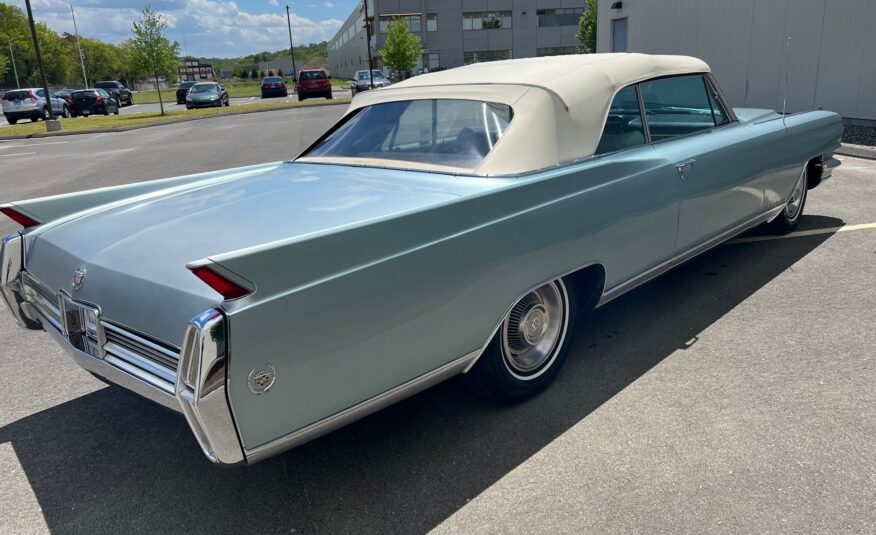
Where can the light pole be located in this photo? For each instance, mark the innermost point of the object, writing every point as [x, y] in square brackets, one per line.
[368, 44]
[291, 46]
[12, 55]
[39, 58]
[81, 55]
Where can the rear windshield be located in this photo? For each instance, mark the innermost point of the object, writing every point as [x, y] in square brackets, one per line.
[84, 93]
[363, 75]
[16, 95]
[317, 75]
[186, 85]
[206, 88]
[272, 80]
[447, 132]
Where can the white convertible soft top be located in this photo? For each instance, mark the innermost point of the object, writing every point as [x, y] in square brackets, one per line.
[560, 103]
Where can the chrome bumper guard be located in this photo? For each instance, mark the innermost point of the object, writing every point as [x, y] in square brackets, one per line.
[192, 382]
[201, 388]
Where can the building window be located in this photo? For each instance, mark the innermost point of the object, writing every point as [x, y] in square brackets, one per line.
[485, 55]
[414, 22]
[559, 17]
[432, 61]
[486, 20]
[432, 22]
[556, 51]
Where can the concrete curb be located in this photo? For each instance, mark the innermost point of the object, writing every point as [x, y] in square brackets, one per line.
[171, 121]
[857, 151]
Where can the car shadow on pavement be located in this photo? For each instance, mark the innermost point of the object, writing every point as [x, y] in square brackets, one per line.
[111, 461]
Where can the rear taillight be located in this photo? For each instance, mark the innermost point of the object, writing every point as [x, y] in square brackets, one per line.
[99, 99]
[70, 100]
[32, 96]
[265, 86]
[24, 220]
[227, 288]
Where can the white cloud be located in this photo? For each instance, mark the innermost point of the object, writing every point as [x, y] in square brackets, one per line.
[328, 5]
[212, 28]
[274, 3]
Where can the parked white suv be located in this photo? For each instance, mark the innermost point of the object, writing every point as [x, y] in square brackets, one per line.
[30, 103]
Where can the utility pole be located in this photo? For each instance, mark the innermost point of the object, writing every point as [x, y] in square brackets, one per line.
[81, 55]
[39, 58]
[368, 44]
[291, 46]
[12, 55]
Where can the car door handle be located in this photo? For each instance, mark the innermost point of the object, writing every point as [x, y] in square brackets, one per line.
[683, 167]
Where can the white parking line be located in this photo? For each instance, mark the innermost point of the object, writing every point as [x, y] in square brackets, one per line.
[32, 145]
[801, 233]
[17, 154]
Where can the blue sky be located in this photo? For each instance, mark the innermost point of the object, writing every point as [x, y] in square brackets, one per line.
[212, 28]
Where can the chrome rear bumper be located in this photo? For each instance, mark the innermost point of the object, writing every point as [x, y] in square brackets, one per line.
[193, 383]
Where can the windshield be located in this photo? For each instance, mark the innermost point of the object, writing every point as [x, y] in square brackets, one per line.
[363, 75]
[16, 95]
[186, 85]
[446, 132]
[206, 88]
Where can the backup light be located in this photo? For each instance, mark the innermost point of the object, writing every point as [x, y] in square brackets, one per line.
[19, 217]
[229, 289]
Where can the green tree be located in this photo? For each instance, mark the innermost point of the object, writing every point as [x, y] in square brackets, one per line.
[254, 74]
[280, 73]
[261, 74]
[587, 28]
[151, 52]
[402, 49]
[270, 72]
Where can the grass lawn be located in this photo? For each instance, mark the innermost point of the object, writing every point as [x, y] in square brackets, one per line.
[235, 89]
[97, 122]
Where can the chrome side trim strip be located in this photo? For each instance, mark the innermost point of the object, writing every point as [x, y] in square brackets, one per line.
[116, 352]
[679, 259]
[361, 410]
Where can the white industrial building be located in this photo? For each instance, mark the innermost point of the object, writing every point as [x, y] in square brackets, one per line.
[831, 63]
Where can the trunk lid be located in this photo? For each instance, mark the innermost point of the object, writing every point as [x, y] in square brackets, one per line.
[135, 253]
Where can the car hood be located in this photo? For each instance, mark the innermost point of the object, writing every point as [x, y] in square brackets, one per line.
[135, 253]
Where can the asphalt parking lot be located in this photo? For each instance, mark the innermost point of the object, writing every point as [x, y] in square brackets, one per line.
[736, 394]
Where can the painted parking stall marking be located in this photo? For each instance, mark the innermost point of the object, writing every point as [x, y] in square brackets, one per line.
[802, 233]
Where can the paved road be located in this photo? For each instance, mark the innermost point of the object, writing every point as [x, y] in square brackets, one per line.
[736, 394]
[171, 105]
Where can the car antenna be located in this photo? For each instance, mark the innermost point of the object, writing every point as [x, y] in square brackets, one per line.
[787, 68]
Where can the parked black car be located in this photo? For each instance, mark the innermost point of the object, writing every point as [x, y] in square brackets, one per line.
[118, 91]
[87, 102]
[183, 90]
[274, 86]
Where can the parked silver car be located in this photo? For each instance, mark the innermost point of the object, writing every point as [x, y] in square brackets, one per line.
[30, 103]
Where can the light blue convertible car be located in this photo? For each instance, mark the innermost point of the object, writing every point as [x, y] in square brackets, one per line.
[455, 223]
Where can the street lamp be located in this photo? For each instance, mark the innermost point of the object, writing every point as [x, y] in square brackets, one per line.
[12, 55]
[291, 46]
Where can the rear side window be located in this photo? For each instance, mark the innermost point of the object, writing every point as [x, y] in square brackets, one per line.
[677, 106]
[447, 132]
[623, 127]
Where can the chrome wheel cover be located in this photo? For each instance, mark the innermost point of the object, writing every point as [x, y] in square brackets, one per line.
[534, 330]
[795, 203]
